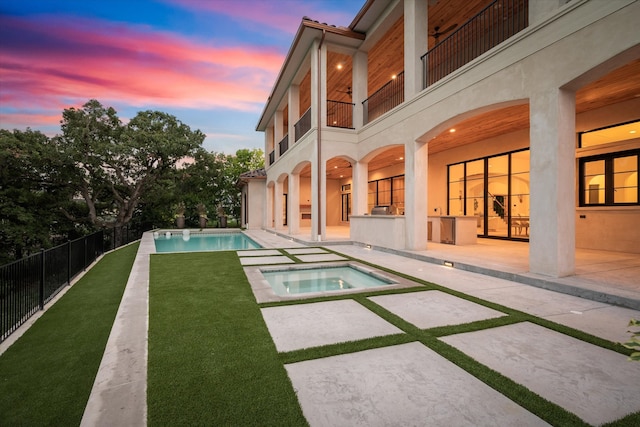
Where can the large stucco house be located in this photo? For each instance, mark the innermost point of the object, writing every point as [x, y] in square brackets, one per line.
[505, 119]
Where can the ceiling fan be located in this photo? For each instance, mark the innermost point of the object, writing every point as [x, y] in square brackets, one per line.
[348, 91]
[437, 32]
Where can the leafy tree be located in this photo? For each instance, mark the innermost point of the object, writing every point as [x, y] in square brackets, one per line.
[245, 160]
[116, 164]
[32, 187]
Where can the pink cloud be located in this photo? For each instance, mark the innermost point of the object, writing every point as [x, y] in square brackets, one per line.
[283, 15]
[48, 64]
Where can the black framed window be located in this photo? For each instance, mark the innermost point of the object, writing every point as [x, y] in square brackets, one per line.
[386, 192]
[610, 179]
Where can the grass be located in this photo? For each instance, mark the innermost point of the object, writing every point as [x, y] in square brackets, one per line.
[47, 375]
[211, 358]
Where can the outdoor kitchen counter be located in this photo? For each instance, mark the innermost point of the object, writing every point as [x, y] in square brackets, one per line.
[378, 230]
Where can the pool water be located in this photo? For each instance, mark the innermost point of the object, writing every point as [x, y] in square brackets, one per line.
[300, 281]
[178, 242]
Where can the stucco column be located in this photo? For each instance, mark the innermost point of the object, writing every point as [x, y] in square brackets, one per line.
[415, 45]
[552, 240]
[278, 131]
[415, 188]
[294, 111]
[359, 87]
[269, 206]
[318, 201]
[315, 77]
[277, 203]
[294, 203]
[268, 143]
[359, 188]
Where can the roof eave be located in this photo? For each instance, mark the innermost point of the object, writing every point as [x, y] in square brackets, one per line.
[306, 25]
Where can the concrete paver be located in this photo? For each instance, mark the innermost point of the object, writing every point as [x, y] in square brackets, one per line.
[406, 384]
[320, 257]
[596, 384]
[311, 325]
[263, 260]
[258, 252]
[302, 251]
[431, 309]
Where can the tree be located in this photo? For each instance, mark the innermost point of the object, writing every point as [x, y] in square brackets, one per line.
[32, 187]
[116, 164]
[245, 160]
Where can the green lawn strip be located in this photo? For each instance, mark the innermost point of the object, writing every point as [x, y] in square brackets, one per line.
[290, 256]
[344, 348]
[339, 297]
[631, 420]
[47, 375]
[211, 358]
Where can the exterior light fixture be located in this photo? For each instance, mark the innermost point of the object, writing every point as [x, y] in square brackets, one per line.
[393, 77]
[452, 130]
[367, 246]
[339, 66]
[448, 264]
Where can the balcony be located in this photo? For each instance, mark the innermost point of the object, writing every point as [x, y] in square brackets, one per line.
[384, 99]
[340, 114]
[303, 125]
[496, 23]
[284, 144]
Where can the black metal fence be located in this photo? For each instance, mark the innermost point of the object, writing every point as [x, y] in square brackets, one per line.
[384, 99]
[26, 285]
[496, 23]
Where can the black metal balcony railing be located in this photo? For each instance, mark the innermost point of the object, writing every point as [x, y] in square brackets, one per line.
[496, 23]
[384, 99]
[272, 157]
[303, 125]
[284, 144]
[340, 114]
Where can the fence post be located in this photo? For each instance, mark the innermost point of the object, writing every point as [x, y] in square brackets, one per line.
[68, 262]
[42, 276]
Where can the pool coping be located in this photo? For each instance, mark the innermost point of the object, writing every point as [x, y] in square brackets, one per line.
[199, 231]
[263, 292]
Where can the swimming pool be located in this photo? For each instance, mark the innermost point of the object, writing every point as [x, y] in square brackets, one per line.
[185, 241]
[299, 280]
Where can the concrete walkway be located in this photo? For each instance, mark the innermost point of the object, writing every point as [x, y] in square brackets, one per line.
[409, 383]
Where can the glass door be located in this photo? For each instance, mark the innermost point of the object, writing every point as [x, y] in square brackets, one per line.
[520, 198]
[474, 201]
[346, 206]
[498, 196]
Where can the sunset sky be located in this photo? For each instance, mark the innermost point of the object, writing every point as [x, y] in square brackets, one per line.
[211, 63]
